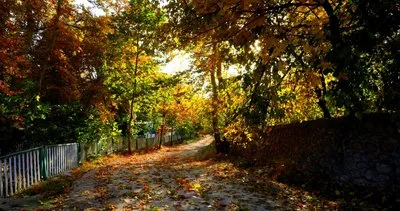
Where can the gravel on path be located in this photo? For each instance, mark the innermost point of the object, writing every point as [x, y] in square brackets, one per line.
[172, 178]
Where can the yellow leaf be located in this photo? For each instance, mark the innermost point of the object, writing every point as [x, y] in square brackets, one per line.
[196, 186]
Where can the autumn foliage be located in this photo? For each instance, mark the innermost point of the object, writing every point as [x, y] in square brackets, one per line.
[71, 73]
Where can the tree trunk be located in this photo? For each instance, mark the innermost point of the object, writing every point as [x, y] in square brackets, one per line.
[162, 132]
[131, 107]
[130, 126]
[172, 135]
[214, 111]
[221, 82]
[339, 59]
[321, 100]
[324, 108]
[30, 27]
[52, 44]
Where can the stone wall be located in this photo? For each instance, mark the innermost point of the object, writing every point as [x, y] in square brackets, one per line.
[363, 152]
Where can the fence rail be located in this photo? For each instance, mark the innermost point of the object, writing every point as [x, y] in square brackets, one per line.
[95, 148]
[21, 170]
[59, 158]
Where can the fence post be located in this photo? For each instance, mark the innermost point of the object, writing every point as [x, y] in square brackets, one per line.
[43, 161]
[112, 145]
[97, 148]
[78, 151]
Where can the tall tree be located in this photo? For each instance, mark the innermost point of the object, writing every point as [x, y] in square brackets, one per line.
[301, 59]
[321, 36]
[133, 43]
[50, 69]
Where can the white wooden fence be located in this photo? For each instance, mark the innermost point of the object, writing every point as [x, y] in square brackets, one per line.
[21, 170]
[60, 158]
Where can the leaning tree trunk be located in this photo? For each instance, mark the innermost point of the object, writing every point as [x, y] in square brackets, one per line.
[214, 111]
[131, 111]
[321, 92]
[129, 132]
[162, 132]
[221, 144]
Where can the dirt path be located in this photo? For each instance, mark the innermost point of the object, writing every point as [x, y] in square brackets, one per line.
[169, 179]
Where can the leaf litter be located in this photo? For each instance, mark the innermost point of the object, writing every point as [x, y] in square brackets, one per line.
[181, 178]
[177, 178]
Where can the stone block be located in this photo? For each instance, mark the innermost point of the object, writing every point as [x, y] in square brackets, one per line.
[376, 139]
[387, 148]
[355, 174]
[383, 157]
[370, 175]
[382, 180]
[383, 168]
[344, 178]
[398, 172]
[356, 146]
[362, 166]
[360, 181]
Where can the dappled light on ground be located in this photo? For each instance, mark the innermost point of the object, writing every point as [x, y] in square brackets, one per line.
[173, 178]
[180, 178]
[185, 177]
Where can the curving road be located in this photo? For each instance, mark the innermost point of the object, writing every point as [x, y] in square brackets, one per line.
[170, 179]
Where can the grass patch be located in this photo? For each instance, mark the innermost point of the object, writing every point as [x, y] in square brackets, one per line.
[193, 139]
[50, 193]
[52, 187]
[189, 141]
[207, 152]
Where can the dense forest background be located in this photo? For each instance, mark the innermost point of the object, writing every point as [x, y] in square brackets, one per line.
[69, 73]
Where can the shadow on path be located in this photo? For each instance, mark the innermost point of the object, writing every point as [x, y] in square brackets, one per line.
[170, 179]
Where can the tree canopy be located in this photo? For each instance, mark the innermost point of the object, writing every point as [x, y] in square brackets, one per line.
[68, 73]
